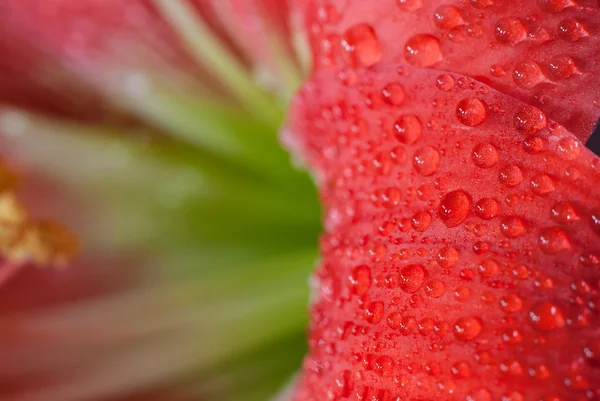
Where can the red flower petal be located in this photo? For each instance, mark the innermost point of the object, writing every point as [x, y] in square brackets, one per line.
[545, 53]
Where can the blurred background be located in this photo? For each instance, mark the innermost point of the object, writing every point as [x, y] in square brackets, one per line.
[149, 128]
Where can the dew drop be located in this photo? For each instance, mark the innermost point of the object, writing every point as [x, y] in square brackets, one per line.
[411, 278]
[546, 316]
[512, 336]
[374, 312]
[527, 74]
[435, 288]
[485, 155]
[455, 208]
[487, 208]
[426, 161]
[445, 82]
[423, 50]
[511, 303]
[562, 67]
[360, 280]
[447, 17]
[421, 221]
[408, 129]
[362, 46]
[512, 227]
[447, 257]
[568, 148]
[471, 112]
[510, 31]
[393, 94]
[488, 268]
[467, 328]
[530, 119]
[563, 213]
[542, 184]
[571, 29]
[462, 294]
[533, 145]
[554, 240]
[511, 176]
[461, 370]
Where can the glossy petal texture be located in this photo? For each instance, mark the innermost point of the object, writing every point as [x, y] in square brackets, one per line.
[543, 52]
[462, 264]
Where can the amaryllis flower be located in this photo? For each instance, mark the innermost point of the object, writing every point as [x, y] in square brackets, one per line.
[447, 139]
[158, 242]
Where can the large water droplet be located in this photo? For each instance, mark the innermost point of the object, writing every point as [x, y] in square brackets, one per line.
[554, 240]
[562, 67]
[511, 176]
[487, 208]
[423, 50]
[362, 46]
[447, 257]
[360, 280]
[447, 17]
[467, 328]
[527, 74]
[411, 278]
[393, 94]
[426, 161]
[485, 155]
[510, 31]
[471, 112]
[530, 119]
[546, 316]
[511, 303]
[455, 208]
[408, 129]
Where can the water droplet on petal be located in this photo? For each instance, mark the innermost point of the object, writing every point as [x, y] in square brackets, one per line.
[571, 29]
[360, 280]
[447, 17]
[447, 257]
[511, 303]
[362, 46]
[455, 208]
[512, 227]
[563, 212]
[485, 155]
[374, 312]
[546, 317]
[554, 240]
[511, 176]
[542, 184]
[426, 161]
[527, 74]
[408, 129]
[423, 50]
[471, 112]
[411, 278]
[467, 328]
[510, 31]
[569, 148]
[393, 94]
[530, 119]
[487, 208]
[445, 82]
[562, 67]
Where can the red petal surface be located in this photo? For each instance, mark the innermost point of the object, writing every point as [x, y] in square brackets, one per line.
[543, 52]
[461, 254]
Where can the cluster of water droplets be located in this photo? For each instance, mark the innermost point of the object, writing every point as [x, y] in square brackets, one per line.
[461, 242]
